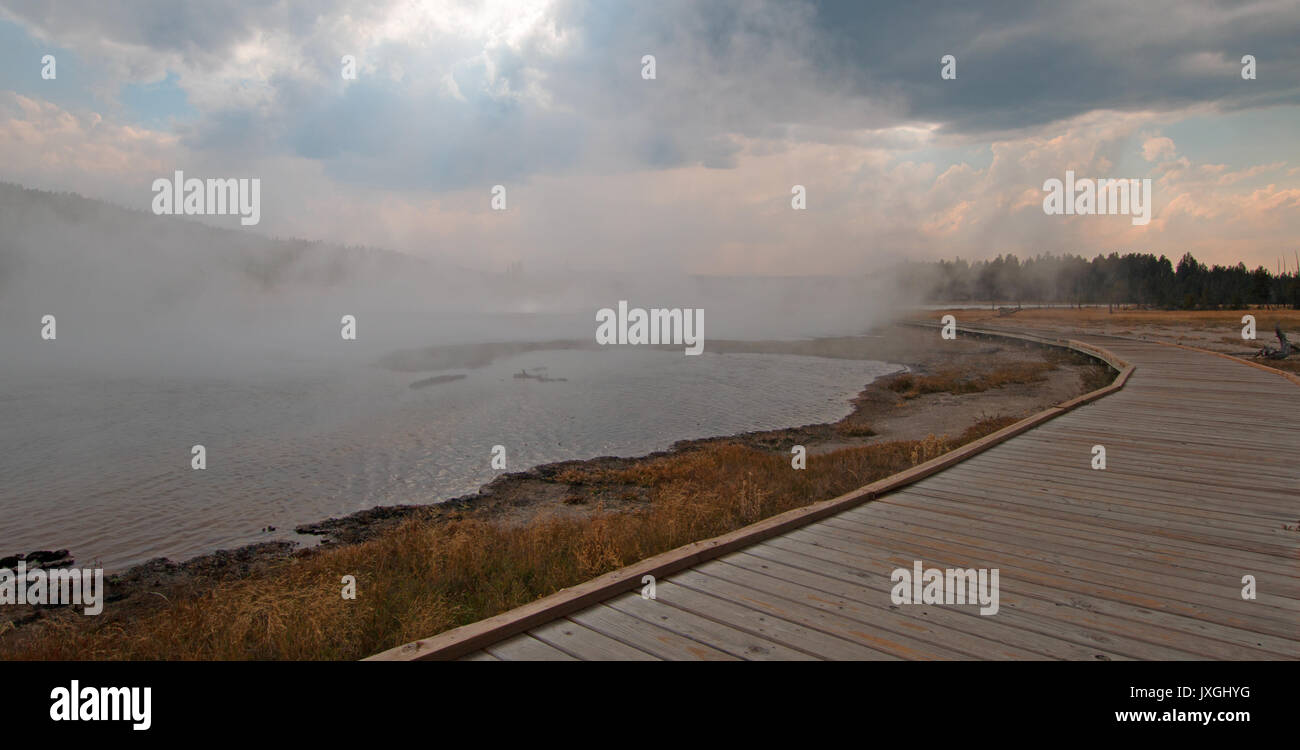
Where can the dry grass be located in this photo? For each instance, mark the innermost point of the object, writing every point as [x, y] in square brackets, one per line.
[911, 385]
[428, 576]
[1291, 365]
[1136, 319]
[985, 426]
[1191, 327]
[854, 428]
[1096, 376]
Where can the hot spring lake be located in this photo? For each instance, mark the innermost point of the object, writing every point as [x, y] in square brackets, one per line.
[101, 464]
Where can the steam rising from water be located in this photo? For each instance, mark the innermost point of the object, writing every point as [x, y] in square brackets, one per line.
[136, 293]
[171, 333]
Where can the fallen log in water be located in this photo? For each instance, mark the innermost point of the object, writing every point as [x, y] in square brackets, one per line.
[436, 379]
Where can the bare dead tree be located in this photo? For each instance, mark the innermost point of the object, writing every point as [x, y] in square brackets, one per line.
[1283, 350]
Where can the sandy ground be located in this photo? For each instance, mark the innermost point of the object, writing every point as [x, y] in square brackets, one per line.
[1219, 331]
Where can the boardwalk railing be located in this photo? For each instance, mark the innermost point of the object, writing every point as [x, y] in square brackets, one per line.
[467, 639]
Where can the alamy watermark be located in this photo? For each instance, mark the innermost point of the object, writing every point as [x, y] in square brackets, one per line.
[76, 703]
[84, 587]
[221, 197]
[1088, 197]
[951, 586]
[654, 326]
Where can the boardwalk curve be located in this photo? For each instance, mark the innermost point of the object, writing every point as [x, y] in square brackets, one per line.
[1146, 559]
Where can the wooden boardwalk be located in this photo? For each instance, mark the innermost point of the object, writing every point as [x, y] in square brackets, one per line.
[1142, 560]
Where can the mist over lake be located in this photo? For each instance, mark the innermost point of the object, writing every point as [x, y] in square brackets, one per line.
[101, 465]
[172, 334]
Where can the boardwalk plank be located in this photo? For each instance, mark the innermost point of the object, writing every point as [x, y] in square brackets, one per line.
[767, 625]
[1034, 615]
[999, 532]
[1244, 626]
[585, 643]
[873, 588]
[524, 647]
[1190, 553]
[1155, 499]
[646, 636]
[733, 641]
[1129, 628]
[885, 628]
[1220, 603]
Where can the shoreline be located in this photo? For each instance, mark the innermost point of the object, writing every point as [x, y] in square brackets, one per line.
[877, 414]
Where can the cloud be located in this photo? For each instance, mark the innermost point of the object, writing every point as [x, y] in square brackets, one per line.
[1158, 148]
[691, 170]
[534, 86]
[1024, 65]
[44, 144]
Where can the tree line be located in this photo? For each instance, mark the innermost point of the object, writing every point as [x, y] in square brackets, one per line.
[1139, 279]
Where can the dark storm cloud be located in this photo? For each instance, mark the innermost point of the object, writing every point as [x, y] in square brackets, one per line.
[780, 71]
[199, 30]
[1024, 64]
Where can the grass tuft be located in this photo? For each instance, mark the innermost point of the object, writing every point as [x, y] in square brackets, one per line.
[910, 385]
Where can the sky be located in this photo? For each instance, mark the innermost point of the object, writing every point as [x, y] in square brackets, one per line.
[690, 171]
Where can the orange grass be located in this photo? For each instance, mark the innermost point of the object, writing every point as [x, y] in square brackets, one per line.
[427, 576]
[1088, 316]
[911, 385]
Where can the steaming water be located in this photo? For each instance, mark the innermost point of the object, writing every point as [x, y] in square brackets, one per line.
[102, 465]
